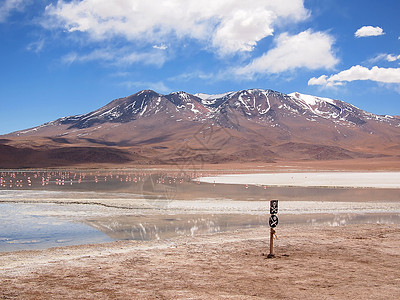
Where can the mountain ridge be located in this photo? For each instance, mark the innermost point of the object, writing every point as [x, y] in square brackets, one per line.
[208, 102]
[247, 125]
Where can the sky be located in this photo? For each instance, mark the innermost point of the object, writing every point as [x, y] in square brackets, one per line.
[62, 58]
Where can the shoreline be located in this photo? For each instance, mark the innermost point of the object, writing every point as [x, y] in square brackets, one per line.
[388, 164]
[354, 261]
[333, 258]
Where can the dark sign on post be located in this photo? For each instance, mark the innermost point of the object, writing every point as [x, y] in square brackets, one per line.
[273, 208]
[273, 221]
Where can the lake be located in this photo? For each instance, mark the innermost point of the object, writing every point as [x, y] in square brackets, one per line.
[41, 209]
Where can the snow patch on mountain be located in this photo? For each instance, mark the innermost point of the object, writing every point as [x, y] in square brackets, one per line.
[310, 100]
[212, 96]
[323, 107]
[211, 99]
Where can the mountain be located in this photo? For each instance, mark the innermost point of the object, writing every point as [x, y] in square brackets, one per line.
[246, 126]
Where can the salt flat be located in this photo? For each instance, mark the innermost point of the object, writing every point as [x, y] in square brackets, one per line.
[317, 179]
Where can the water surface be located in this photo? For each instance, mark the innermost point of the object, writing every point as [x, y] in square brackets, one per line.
[40, 226]
[41, 209]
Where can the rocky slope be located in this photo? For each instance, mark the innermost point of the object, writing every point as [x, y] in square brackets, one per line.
[249, 125]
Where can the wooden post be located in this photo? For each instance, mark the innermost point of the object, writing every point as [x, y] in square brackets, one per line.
[271, 244]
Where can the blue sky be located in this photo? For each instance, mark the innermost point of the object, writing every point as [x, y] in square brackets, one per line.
[61, 58]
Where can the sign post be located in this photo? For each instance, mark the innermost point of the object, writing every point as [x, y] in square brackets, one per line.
[273, 222]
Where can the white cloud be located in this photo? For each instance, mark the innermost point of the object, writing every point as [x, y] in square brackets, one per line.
[197, 75]
[36, 46]
[310, 50]
[11, 5]
[121, 56]
[229, 26]
[366, 31]
[243, 30]
[384, 57]
[322, 80]
[159, 87]
[392, 58]
[355, 73]
[160, 47]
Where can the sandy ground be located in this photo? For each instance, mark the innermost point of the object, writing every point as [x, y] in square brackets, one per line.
[349, 262]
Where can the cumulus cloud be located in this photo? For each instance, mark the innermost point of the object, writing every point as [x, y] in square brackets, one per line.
[322, 80]
[308, 49]
[377, 74]
[229, 26]
[392, 58]
[366, 31]
[243, 30]
[11, 5]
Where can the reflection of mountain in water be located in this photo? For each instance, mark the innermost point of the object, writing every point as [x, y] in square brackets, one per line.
[157, 188]
[164, 227]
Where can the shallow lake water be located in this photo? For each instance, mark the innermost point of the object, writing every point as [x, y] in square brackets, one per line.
[39, 226]
[44, 209]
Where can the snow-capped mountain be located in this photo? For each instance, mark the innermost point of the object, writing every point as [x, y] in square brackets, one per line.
[143, 104]
[252, 124]
[265, 106]
[337, 110]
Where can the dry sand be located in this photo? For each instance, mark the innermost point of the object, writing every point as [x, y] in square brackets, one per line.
[350, 262]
